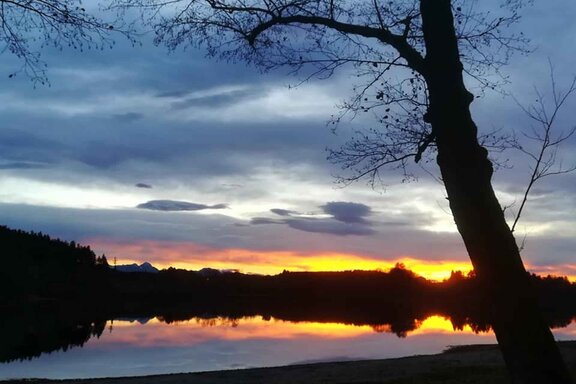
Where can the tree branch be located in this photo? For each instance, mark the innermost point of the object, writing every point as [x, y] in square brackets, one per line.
[399, 43]
[545, 157]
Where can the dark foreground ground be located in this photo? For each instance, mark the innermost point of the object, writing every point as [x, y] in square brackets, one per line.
[466, 364]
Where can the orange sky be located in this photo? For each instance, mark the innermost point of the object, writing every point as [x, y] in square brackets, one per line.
[195, 257]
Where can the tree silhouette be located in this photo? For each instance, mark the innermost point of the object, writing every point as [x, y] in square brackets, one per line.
[27, 26]
[430, 45]
[36, 264]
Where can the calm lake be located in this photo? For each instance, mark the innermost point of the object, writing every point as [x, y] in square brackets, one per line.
[127, 347]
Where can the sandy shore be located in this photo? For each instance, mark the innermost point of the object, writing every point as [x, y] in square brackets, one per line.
[467, 364]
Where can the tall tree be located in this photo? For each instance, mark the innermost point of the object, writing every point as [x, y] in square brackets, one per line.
[430, 45]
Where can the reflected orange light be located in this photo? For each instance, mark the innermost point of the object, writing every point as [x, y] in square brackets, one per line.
[192, 256]
[199, 330]
[194, 331]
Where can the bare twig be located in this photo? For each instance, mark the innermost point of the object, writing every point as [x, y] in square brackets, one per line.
[545, 158]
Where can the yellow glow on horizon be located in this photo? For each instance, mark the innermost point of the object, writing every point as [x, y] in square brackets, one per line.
[273, 262]
[192, 256]
[439, 324]
[436, 270]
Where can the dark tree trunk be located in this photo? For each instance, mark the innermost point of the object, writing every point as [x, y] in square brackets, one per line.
[525, 340]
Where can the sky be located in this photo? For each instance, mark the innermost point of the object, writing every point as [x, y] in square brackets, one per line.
[181, 160]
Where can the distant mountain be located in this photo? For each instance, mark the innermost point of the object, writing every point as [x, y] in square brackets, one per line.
[144, 267]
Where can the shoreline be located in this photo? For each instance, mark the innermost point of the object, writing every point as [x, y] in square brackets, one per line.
[472, 364]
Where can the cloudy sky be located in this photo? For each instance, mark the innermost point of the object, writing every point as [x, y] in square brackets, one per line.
[181, 160]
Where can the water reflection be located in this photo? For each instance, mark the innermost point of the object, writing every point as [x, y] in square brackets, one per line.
[143, 345]
[142, 340]
[256, 327]
[152, 346]
[27, 332]
[30, 331]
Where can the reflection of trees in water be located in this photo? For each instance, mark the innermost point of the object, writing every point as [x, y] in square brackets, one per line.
[387, 319]
[30, 331]
[353, 298]
[27, 332]
[220, 321]
[400, 328]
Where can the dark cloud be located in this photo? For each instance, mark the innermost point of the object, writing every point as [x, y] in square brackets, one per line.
[128, 117]
[168, 149]
[172, 94]
[213, 229]
[347, 212]
[265, 220]
[120, 225]
[223, 98]
[315, 225]
[87, 122]
[20, 147]
[22, 165]
[231, 186]
[330, 227]
[347, 219]
[143, 185]
[174, 205]
[283, 212]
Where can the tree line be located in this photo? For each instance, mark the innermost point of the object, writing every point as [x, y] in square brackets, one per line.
[394, 302]
[34, 263]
